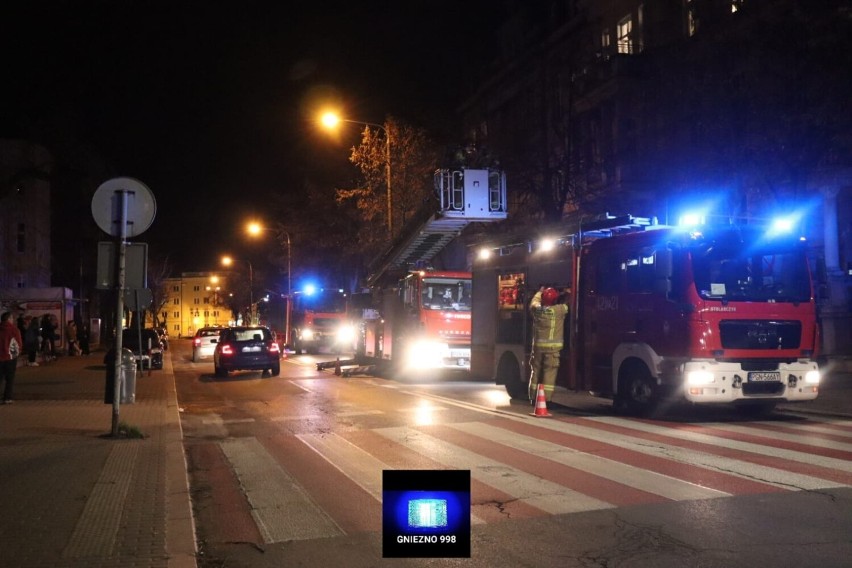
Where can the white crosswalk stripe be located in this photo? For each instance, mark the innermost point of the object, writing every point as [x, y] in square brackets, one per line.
[533, 490]
[703, 458]
[282, 509]
[803, 438]
[714, 462]
[762, 449]
[649, 481]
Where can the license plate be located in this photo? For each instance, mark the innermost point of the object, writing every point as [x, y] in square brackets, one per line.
[762, 376]
[251, 349]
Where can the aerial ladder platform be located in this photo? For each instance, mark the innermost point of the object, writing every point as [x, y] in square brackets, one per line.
[462, 196]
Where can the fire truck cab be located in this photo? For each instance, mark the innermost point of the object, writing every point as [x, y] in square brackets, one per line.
[320, 321]
[722, 315]
[426, 323]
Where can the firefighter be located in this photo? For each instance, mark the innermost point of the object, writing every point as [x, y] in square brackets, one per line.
[548, 313]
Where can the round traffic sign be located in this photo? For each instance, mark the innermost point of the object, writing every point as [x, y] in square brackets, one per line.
[106, 206]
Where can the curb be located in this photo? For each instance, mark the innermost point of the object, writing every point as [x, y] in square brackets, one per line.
[181, 546]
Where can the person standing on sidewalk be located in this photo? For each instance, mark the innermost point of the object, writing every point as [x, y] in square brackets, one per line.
[47, 338]
[10, 348]
[31, 340]
[83, 337]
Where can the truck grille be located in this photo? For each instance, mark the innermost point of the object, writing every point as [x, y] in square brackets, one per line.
[760, 334]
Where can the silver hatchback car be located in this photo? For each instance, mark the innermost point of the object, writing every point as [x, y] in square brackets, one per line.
[204, 342]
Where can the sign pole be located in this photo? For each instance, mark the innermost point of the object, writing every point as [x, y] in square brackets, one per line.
[121, 194]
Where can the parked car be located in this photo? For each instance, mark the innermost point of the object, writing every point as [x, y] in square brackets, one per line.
[204, 342]
[150, 351]
[247, 348]
[164, 337]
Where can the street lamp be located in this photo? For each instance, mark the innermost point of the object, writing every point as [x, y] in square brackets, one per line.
[255, 229]
[228, 261]
[330, 120]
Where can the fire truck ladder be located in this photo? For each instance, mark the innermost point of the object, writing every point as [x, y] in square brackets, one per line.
[461, 197]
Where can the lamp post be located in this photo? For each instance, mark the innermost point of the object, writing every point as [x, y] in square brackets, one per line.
[330, 120]
[254, 228]
[228, 261]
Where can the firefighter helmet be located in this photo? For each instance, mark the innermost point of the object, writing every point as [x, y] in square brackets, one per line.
[549, 297]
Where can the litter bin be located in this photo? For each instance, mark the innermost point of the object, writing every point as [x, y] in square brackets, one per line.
[128, 377]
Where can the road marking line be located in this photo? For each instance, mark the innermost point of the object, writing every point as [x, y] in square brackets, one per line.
[695, 457]
[632, 476]
[282, 509]
[220, 420]
[803, 457]
[356, 464]
[545, 495]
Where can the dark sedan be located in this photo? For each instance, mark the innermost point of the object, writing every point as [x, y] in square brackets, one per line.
[246, 348]
[151, 350]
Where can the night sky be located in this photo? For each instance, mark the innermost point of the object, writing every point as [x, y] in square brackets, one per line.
[210, 103]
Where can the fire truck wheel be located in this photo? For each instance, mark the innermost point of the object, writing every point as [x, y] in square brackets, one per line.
[508, 373]
[636, 390]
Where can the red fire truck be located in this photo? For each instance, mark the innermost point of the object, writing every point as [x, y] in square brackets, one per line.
[424, 323]
[320, 321]
[721, 315]
[419, 318]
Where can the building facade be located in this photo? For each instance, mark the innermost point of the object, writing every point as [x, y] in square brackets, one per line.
[653, 108]
[25, 170]
[194, 300]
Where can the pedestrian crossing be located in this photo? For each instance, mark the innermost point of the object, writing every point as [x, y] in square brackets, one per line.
[524, 467]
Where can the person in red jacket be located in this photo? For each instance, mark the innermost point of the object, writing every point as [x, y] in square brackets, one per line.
[10, 348]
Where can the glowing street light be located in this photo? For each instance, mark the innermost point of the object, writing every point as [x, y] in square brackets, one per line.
[255, 229]
[330, 121]
[228, 261]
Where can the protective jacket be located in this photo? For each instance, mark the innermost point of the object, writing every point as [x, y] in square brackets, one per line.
[548, 324]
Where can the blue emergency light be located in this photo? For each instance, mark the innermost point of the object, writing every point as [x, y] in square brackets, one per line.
[427, 513]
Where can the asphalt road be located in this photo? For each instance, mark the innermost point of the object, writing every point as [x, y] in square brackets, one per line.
[287, 471]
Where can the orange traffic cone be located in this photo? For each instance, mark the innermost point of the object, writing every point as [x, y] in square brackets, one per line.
[540, 403]
[337, 367]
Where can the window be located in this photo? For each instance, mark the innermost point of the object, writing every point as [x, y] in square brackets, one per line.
[215, 313]
[640, 272]
[176, 301]
[207, 300]
[176, 314]
[606, 44]
[624, 32]
[608, 278]
[196, 288]
[175, 288]
[691, 23]
[196, 301]
[176, 327]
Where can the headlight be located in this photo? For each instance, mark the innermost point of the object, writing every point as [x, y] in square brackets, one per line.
[426, 354]
[346, 334]
[699, 378]
[307, 334]
[812, 377]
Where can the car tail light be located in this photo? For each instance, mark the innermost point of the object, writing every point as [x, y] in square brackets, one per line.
[196, 341]
[226, 349]
[273, 347]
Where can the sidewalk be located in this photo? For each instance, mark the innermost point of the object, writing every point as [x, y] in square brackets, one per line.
[71, 495]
